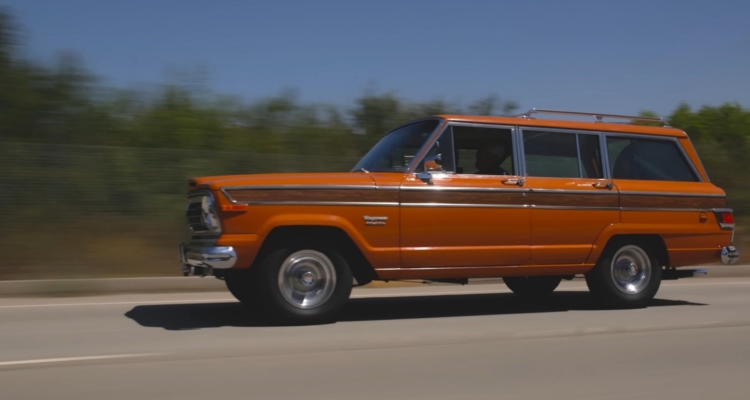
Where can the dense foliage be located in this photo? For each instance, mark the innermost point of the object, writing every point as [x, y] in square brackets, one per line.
[82, 163]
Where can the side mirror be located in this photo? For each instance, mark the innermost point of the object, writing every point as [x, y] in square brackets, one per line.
[433, 163]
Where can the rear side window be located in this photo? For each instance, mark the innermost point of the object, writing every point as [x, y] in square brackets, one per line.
[551, 154]
[648, 159]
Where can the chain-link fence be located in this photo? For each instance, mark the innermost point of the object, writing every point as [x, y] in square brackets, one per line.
[74, 211]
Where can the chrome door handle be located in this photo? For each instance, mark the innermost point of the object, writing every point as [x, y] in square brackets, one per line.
[603, 185]
[514, 181]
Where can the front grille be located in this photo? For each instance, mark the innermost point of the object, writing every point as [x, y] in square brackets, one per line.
[195, 217]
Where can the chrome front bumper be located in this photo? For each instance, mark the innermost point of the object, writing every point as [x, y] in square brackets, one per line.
[219, 257]
[730, 255]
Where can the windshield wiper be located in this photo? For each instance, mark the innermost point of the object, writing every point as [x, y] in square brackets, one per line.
[364, 170]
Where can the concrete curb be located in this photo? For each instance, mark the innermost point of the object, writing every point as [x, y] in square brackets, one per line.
[89, 287]
[78, 287]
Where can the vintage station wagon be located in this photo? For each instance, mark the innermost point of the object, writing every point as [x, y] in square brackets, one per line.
[454, 197]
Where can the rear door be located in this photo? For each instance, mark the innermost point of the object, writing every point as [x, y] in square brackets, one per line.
[571, 198]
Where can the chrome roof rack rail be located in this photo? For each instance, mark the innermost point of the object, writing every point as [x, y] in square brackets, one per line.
[598, 116]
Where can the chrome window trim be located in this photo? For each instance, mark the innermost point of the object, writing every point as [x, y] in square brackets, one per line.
[520, 151]
[481, 125]
[720, 210]
[420, 155]
[578, 156]
[451, 124]
[673, 139]
[522, 128]
[604, 154]
[520, 161]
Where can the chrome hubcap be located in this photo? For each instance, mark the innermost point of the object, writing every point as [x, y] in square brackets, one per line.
[631, 269]
[307, 279]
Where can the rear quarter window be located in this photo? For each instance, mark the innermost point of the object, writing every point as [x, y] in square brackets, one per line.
[648, 159]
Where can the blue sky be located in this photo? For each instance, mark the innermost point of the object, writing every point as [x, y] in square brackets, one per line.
[604, 56]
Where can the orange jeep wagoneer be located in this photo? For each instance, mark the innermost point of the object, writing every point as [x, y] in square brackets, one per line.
[454, 197]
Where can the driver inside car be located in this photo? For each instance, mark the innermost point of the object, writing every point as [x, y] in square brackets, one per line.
[489, 158]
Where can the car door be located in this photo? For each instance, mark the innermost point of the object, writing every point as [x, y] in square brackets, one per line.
[571, 198]
[461, 216]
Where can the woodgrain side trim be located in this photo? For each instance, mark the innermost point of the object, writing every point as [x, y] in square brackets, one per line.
[565, 200]
[454, 197]
[628, 201]
[302, 196]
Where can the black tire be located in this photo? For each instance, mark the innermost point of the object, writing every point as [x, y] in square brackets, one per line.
[609, 283]
[284, 308]
[532, 287]
[240, 284]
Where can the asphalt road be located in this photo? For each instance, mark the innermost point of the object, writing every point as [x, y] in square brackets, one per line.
[471, 342]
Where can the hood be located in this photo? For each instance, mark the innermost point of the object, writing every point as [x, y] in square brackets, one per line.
[289, 179]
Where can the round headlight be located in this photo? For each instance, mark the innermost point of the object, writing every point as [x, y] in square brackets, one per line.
[210, 219]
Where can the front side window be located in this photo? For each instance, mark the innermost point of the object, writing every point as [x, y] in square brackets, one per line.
[397, 149]
[483, 151]
[551, 154]
[647, 159]
[471, 150]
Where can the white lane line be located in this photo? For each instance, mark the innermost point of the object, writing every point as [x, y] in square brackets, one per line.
[122, 303]
[425, 293]
[231, 300]
[72, 359]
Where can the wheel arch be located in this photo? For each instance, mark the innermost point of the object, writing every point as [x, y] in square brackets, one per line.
[653, 244]
[360, 266]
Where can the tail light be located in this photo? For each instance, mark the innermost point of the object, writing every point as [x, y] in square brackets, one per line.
[725, 218]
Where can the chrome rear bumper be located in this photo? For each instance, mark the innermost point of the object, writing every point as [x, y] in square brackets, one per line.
[219, 257]
[730, 255]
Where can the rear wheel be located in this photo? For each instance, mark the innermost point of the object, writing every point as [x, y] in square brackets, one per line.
[532, 286]
[303, 283]
[627, 275]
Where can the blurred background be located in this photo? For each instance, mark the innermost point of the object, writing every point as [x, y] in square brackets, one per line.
[107, 110]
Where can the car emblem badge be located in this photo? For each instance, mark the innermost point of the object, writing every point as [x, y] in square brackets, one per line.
[369, 220]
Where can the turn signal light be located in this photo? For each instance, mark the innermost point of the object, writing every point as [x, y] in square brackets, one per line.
[725, 218]
[234, 207]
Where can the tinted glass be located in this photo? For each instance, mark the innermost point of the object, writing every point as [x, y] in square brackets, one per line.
[483, 151]
[396, 150]
[551, 154]
[591, 157]
[647, 159]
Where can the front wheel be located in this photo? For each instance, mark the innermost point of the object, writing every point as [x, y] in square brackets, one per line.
[532, 286]
[627, 275]
[303, 283]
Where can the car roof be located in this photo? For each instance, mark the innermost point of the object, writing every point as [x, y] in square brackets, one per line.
[565, 124]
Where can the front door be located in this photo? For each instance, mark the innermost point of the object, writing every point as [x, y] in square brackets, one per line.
[473, 213]
[571, 200]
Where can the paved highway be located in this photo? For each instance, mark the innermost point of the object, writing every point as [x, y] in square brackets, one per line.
[470, 342]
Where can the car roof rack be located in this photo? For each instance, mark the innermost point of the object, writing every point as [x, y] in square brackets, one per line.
[599, 116]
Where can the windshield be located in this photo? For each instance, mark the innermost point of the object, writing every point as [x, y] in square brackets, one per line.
[396, 150]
